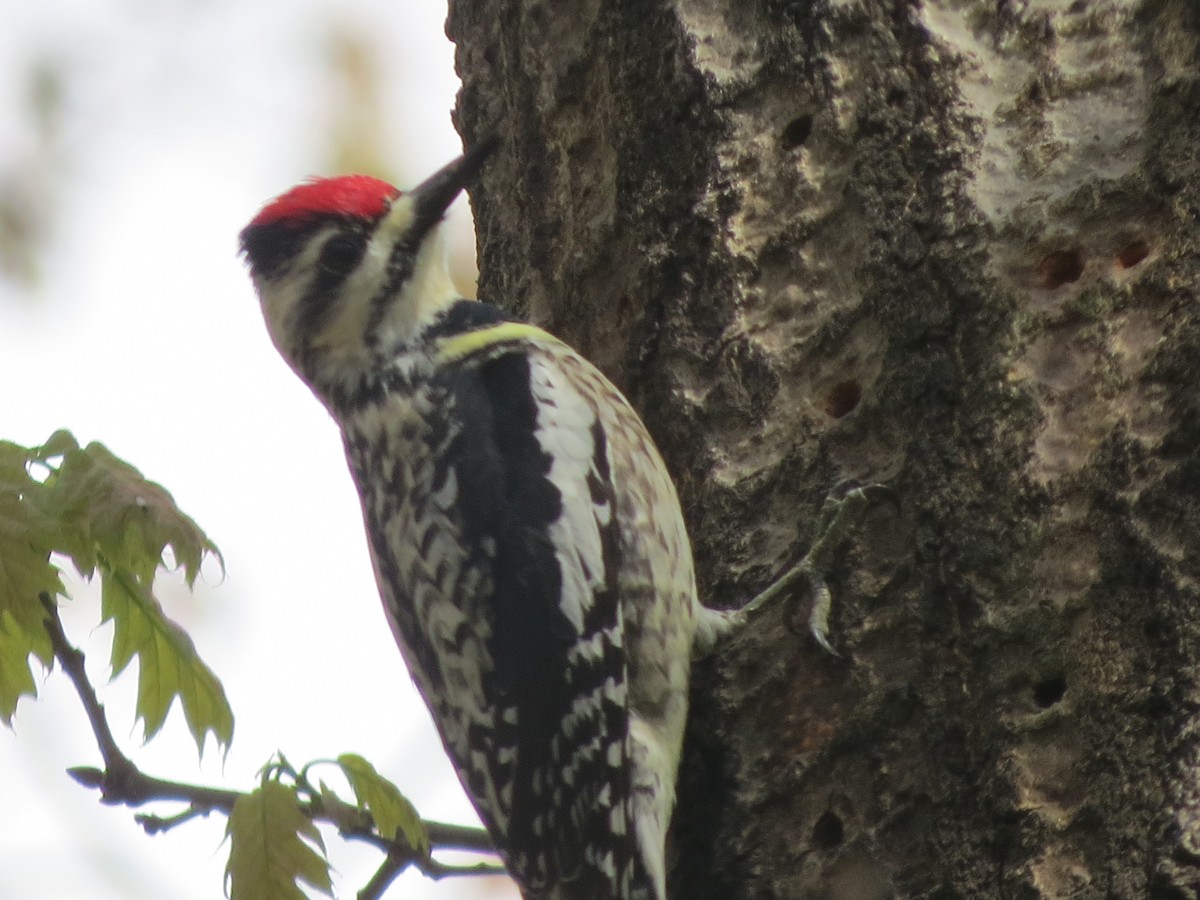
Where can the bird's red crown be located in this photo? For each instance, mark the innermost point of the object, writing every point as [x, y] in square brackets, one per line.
[345, 195]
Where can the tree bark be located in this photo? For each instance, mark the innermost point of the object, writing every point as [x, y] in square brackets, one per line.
[948, 245]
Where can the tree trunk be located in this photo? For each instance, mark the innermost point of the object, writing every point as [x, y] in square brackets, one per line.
[947, 245]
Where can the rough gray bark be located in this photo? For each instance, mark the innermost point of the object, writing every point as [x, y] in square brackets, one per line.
[950, 245]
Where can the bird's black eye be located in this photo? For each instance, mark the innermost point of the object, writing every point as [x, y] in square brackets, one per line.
[342, 253]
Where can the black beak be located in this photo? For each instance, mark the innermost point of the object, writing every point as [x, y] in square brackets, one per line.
[433, 196]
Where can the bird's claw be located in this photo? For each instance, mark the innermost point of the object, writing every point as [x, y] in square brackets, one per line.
[843, 509]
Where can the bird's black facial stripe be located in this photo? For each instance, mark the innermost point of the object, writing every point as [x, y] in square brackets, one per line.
[268, 248]
[340, 255]
[400, 266]
[462, 316]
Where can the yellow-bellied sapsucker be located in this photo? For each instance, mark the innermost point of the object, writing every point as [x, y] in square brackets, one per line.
[527, 540]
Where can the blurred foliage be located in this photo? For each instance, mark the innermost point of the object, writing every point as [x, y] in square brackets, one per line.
[362, 133]
[26, 199]
[358, 113]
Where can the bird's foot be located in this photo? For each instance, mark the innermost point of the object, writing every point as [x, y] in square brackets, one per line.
[841, 512]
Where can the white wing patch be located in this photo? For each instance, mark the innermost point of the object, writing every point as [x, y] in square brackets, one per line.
[564, 430]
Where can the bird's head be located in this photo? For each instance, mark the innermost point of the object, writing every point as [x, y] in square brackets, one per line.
[349, 270]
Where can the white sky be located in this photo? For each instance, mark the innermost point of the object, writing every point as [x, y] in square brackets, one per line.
[181, 119]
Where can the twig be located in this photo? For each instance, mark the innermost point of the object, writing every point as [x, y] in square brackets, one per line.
[394, 864]
[434, 869]
[158, 824]
[72, 661]
[122, 783]
[459, 837]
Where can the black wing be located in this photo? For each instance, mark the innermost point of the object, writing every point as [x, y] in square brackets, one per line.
[536, 502]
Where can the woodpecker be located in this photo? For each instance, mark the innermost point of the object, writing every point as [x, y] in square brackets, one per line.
[527, 539]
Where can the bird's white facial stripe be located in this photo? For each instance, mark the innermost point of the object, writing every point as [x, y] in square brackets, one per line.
[397, 220]
[428, 288]
[428, 291]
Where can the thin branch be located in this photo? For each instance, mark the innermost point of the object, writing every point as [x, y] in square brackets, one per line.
[122, 783]
[158, 824]
[72, 661]
[391, 867]
[459, 837]
[434, 869]
[394, 864]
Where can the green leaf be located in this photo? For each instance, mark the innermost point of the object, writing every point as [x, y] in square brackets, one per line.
[14, 461]
[106, 508]
[26, 539]
[392, 812]
[60, 443]
[16, 677]
[272, 845]
[168, 665]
